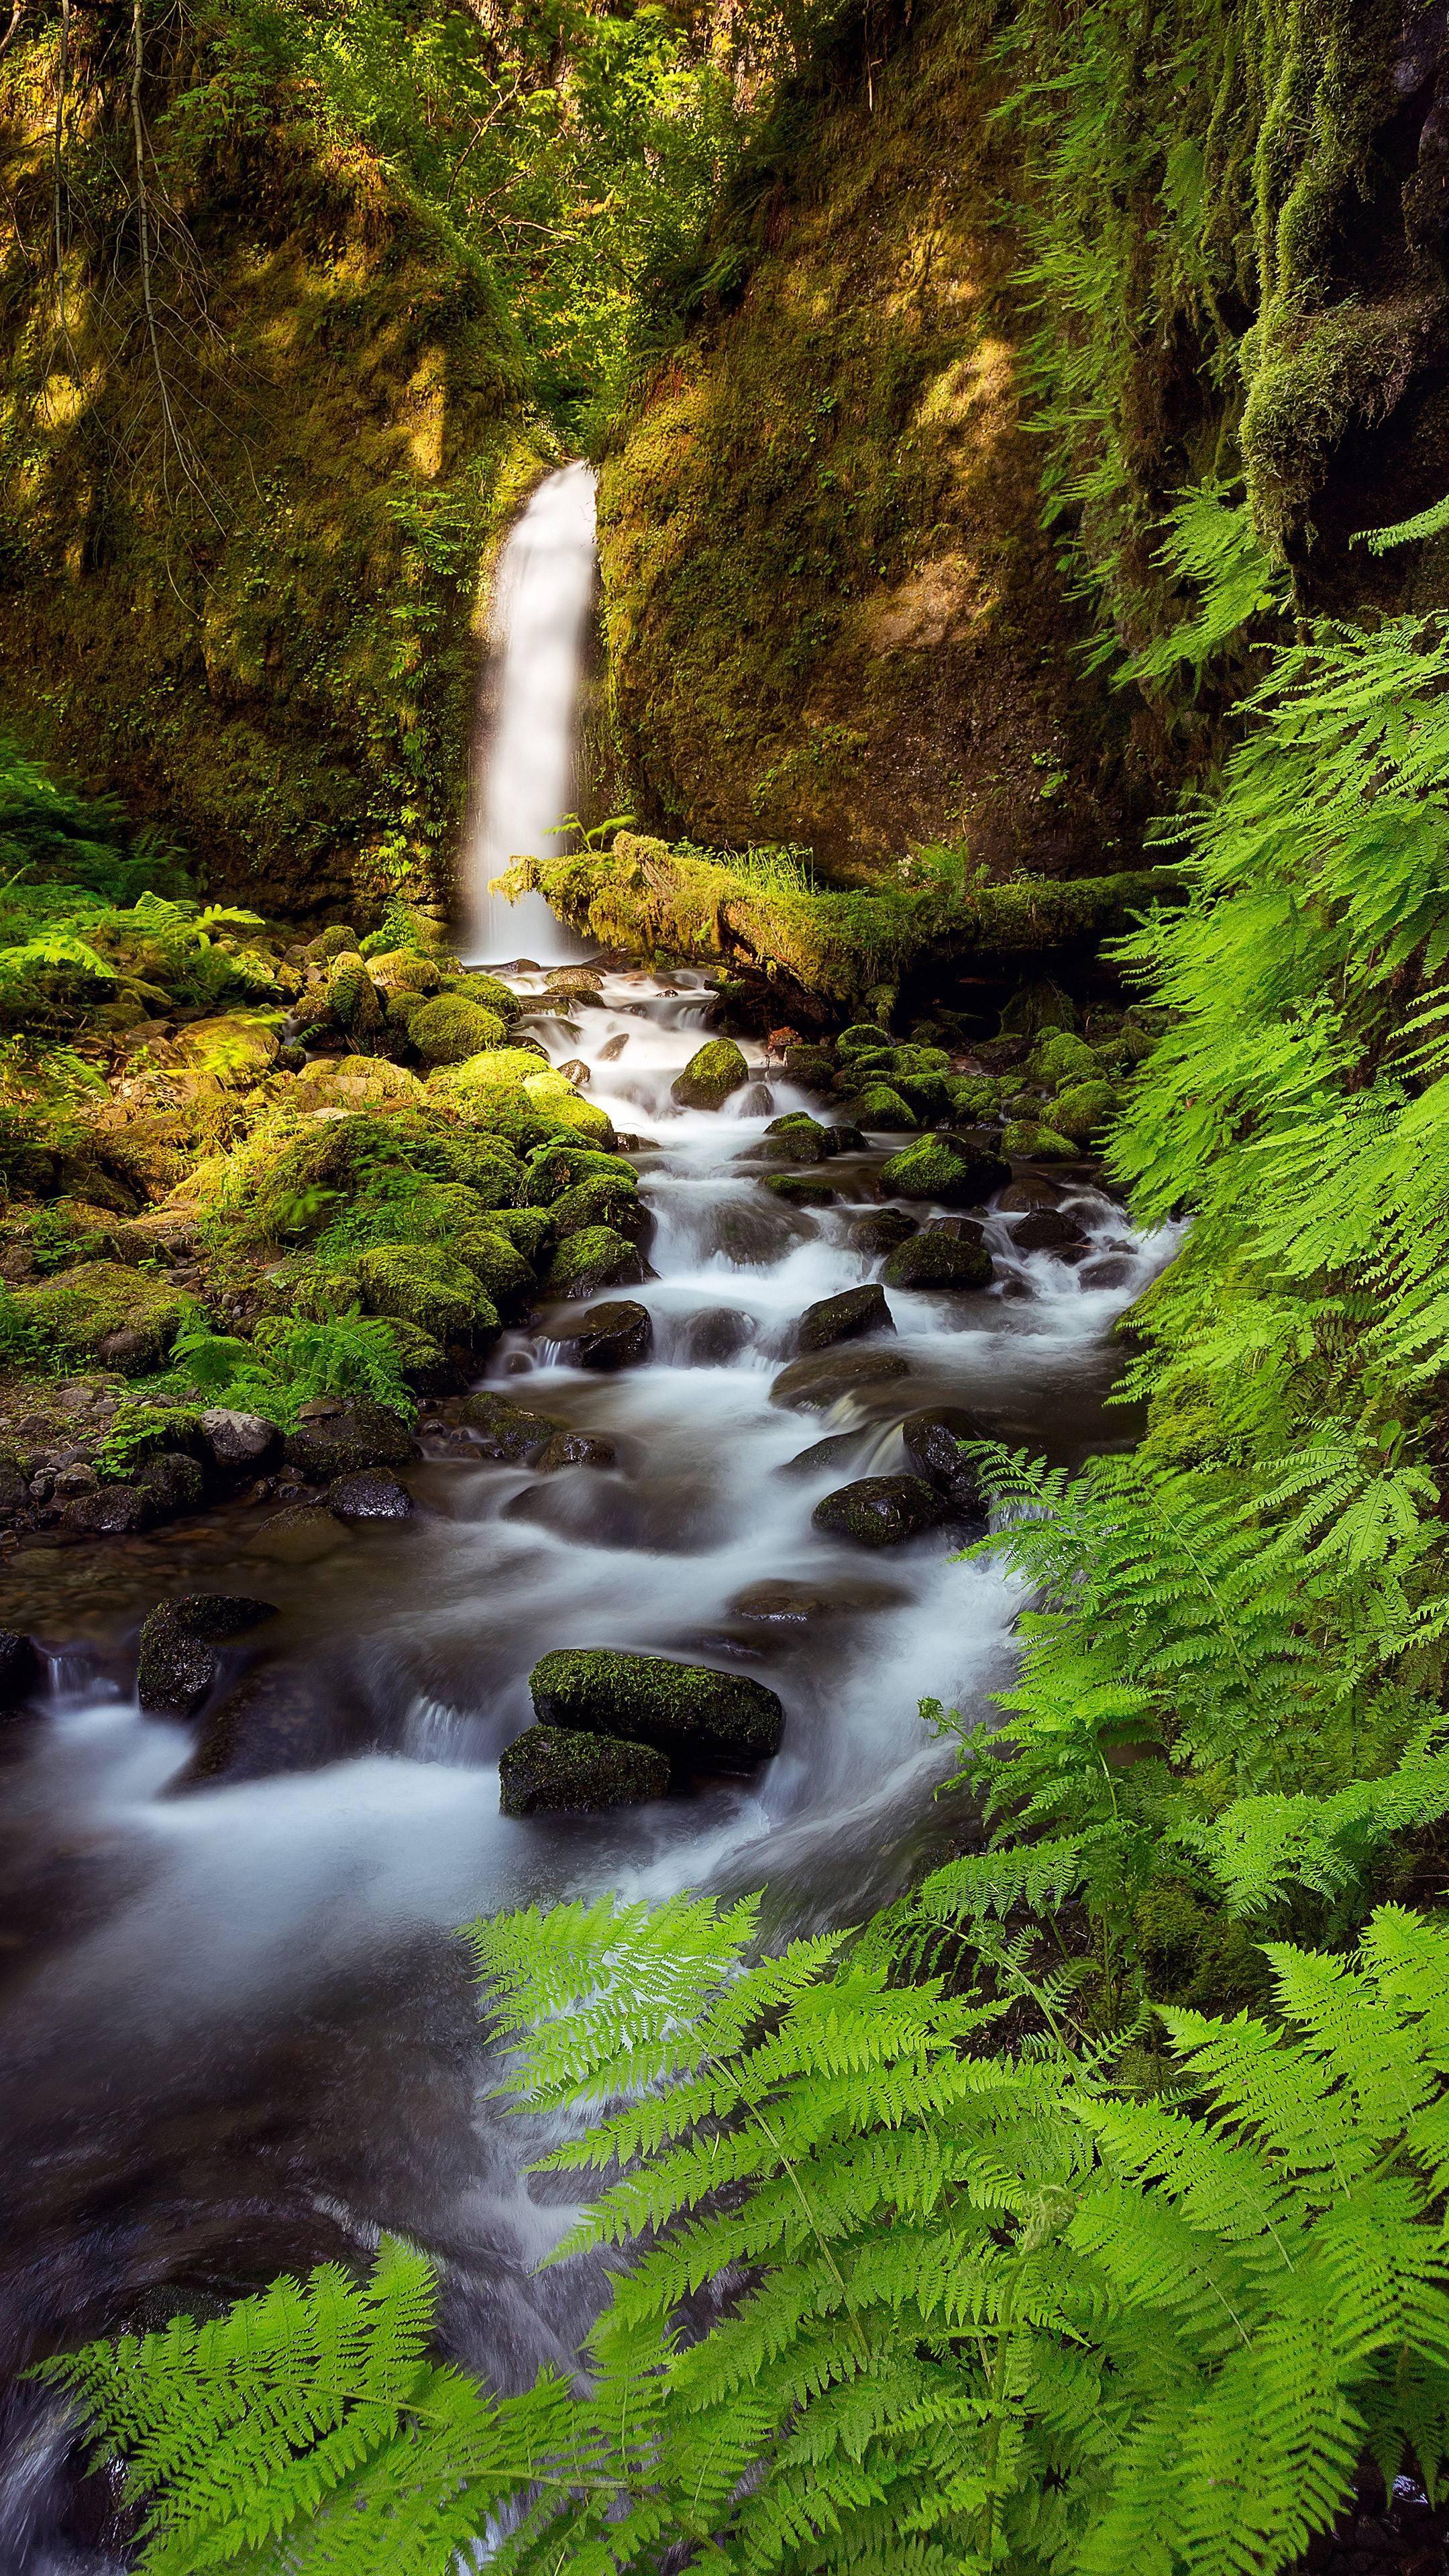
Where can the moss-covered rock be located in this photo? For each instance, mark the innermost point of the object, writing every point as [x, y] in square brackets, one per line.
[553, 1770]
[506, 1431]
[178, 1663]
[691, 1713]
[497, 1265]
[353, 997]
[1027, 1141]
[231, 1052]
[102, 1311]
[425, 1286]
[357, 1082]
[402, 970]
[880, 1511]
[1059, 1058]
[488, 992]
[939, 1168]
[1081, 1112]
[879, 1105]
[934, 1259]
[529, 1229]
[593, 1258]
[608, 1199]
[341, 1444]
[712, 1073]
[617, 1334]
[843, 1318]
[800, 1189]
[552, 1095]
[449, 1029]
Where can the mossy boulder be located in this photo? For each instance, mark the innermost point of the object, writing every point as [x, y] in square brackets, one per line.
[449, 1029]
[882, 1232]
[1060, 1058]
[99, 1310]
[934, 1259]
[593, 1258]
[880, 1105]
[607, 1200]
[488, 992]
[880, 1511]
[425, 1286]
[340, 1444]
[617, 1334]
[496, 1264]
[712, 1073]
[818, 1381]
[933, 1442]
[939, 1168]
[507, 1431]
[1027, 1141]
[799, 1138]
[402, 970]
[863, 1037]
[357, 1082]
[529, 1229]
[810, 1066]
[353, 997]
[1081, 1112]
[231, 1052]
[553, 1096]
[335, 941]
[926, 1095]
[801, 1189]
[688, 1711]
[553, 1770]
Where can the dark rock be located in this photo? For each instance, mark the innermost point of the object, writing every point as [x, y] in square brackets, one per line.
[696, 1715]
[299, 1535]
[880, 1511]
[554, 1770]
[936, 1259]
[1109, 1270]
[178, 1664]
[713, 1335]
[14, 1491]
[822, 1456]
[21, 1669]
[618, 1334]
[115, 1511]
[848, 1139]
[785, 1605]
[244, 1442]
[882, 1233]
[361, 1435]
[800, 1189]
[575, 1449]
[843, 1318]
[1029, 1190]
[799, 1138]
[932, 1441]
[1048, 1229]
[274, 1721]
[373, 1494]
[755, 1232]
[812, 1385]
[174, 1482]
[505, 1430]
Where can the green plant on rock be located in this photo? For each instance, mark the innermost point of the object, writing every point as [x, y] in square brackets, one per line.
[291, 1360]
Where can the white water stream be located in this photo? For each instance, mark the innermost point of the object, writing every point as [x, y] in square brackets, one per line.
[538, 632]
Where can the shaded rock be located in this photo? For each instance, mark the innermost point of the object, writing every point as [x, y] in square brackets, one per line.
[801, 1604]
[612, 1336]
[848, 1139]
[1061, 1058]
[1030, 1190]
[823, 1456]
[880, 1511]
[845, 1317]
[114, 1511]
[713, 1335]
[880, 1105]
[506, 1431]
[800, 1189]
[178, 1664]
[274, 1721]
[1108, 1270]
[754, 1232]
[21, 1668]
[932, 1440]
[361, 1435]
[799, 1138]
[174, 1482]
[689, 1711]
[575, 1449]
[299, 1535]
[1082, 1111]
[943, 1168]
[935, 1259]
[1048, 1229]
[555, 1770]
[883, 1232]
[241, 1442]
[372, 1494]
[812, 1385]
[711, 1074]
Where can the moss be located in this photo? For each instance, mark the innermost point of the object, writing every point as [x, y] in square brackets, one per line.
[938, 1168]
[800, 1189]
[1060, 1057]
[935, 1260]
[449, 1029]
[100, 1310]
[686, 1710]
[605, 1200]
[498, 1266]
[712, 1073]
[528, 1229]
[592, 1258]
[1082, 1112]
[551, 1770]
[428, 1287]
[553, 1096]
[488, 993]
[357, 1082]
[402, 970]
[1025, 1140]
[230, 1053]
[880, 1106]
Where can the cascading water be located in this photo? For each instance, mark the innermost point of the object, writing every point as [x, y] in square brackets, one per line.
[538, 634]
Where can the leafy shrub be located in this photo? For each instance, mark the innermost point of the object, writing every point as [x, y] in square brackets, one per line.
[292, 1360]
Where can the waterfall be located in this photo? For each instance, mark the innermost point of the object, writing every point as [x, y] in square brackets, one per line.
[538, 631]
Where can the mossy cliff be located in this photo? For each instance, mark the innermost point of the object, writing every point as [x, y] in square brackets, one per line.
[240, 533]
[1033, 326]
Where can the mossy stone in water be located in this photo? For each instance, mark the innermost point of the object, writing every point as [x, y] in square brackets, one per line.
[938, 1167]
[449, 1029]
[1060, 1057]
[425, 1286]
[843, 1318]
[618, 1334]
[1081, 1112]
[883, 1232]
[880, 1511]
[800, 1189]
[799, 1138]
[933, 1441]
[507, 1431]
[880, 1105]
[1026, 1141]
[812, 1066]
[606, 1200]
[712, 1073]
[596, 1257]
[688, 1711]
[497, 1265]
[552, 1770]
[937, 1260]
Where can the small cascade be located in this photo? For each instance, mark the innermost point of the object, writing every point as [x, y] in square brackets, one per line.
[539, 631]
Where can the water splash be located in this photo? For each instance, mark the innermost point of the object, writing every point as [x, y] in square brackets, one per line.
[539, 631]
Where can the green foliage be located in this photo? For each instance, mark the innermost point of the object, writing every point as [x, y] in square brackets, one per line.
[291, 1360]
[52, 836]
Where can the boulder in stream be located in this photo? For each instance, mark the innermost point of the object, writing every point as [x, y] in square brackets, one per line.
[813, 1384]
[880, 1511]
[615, 1335]
[792, 1606]
[372, 1494]
[699, 1717]
[555, 1770]
[712, 1335]
[935, 1259]
[798, 1138]
[177, 1664]
[945, 1168]
[800, 1189]
[575, 1449]
[355, 1436]
[174, 1482]
[882, 1232]
[299, 1535]
[712, 1073]
[506, 1431]
[113, 1511]
[594, 1258]
[1029, 1142]
[1048, 1229]
[844, 1318]
[932, 1440]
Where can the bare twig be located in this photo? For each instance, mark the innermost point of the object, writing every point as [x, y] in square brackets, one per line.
[18, 16]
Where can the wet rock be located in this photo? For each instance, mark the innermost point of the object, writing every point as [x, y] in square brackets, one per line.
[879, 1105]
[754, 1232]
[1081, 1112]
[1048, 1229]
[936, 1259]
[799, 1605]
[273, 1721]
[1109, 1270]
[114, 1511]
[575, 1449]
[555, 1770]
[800, 1189]
[823, 1457]
[178, 1663]
[812, 1385]
[697, 1716]
[811, 1066]
[373, 1494]
[848, 1139]
[799, 1138]
[79, 1479]
[361, 1435]
[1026, 1141]
[594, 1258]
[882, 1233]
[242, 1443]
[712, 1073]
[844, 1318]
[714, 1335]
[932, 1439]
[299, 1535]
[506, 1431]
[21, 1668]
[945, 1169]
[880, 1511]
[608, 1200]
[174, 1482]
[611, 1336]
